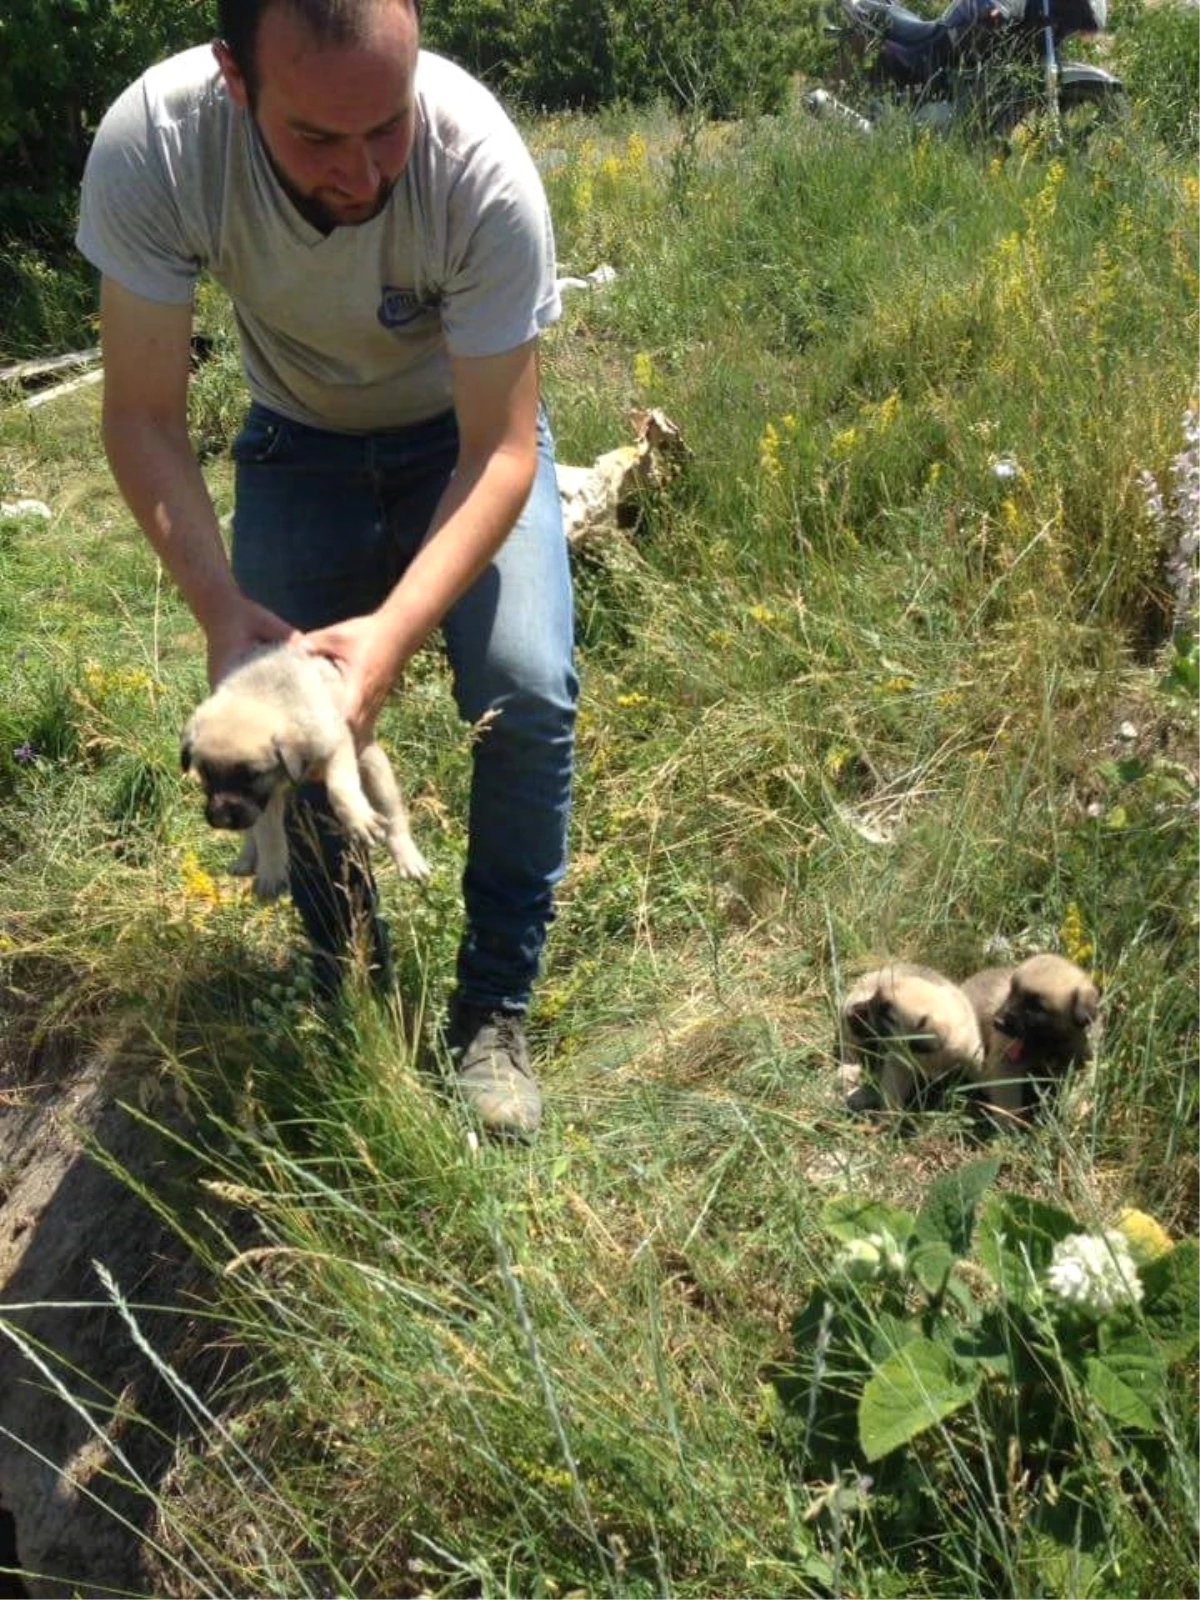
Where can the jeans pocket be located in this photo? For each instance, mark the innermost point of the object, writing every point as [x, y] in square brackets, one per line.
[264, 437]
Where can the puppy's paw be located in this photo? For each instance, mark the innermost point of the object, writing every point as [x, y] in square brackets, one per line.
[856, 1089]
[410, 863]
[269, 885]
[246, 864]
[365, 826]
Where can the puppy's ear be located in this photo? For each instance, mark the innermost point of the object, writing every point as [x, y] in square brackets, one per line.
[292, 758]
[857, 1017]
[1085, 1006]
[185, 752]
[924, 1038]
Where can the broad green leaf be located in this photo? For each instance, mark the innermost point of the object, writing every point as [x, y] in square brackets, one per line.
[957, 1291]
[915, 1388]
[849, 1217]
[889, 1334]
[1070, 1537]
[1171, 1303]
[931, 1264]
[1125, 1387]
[1016, 1238]
[986, 1346]
[1062, 1568]
[948, 1214]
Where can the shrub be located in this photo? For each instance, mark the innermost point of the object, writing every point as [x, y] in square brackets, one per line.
[1158, 53]
[723, 58]
[993, 1349]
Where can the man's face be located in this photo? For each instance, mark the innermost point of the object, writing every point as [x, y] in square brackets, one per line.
[337, 120]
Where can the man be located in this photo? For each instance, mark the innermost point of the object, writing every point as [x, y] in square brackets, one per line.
[385, 241]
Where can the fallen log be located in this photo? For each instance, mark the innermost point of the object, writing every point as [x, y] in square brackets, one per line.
[44, 396]
[26, 372]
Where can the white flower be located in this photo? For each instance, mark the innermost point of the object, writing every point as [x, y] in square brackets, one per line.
[875, 1256]
[1094, 1273]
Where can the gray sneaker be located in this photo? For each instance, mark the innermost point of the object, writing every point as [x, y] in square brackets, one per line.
[491, 1059]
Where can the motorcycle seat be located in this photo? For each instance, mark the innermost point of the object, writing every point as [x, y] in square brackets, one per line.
[906, 28]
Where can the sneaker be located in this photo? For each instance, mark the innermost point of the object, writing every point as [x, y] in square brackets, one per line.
[491, 1059]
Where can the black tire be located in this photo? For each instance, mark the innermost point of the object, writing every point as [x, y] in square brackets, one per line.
[1087, 106]
[1083, 107]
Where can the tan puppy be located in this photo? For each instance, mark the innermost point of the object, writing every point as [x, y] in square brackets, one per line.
[907, 1027]
[1036, 1021]
[276, 720]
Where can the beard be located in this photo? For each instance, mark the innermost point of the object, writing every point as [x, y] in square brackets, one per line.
[321, 207]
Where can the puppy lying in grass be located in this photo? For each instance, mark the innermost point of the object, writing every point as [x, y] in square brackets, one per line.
[1037, 1021]
[903, 1029]
[275, 720]
[1012, 1032]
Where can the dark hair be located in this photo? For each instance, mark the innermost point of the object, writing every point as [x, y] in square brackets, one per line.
[331, 21]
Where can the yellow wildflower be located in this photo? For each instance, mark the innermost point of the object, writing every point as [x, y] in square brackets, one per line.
[768, 452]
[1077, 947]
[764, 616]
[102, 681]
[886, 412]
[900, 685]
[836, 759]
[635, 152]
[1148, 1239]
[633, 699]
[843, 443]
[95, 677]
[644, 373]
[198, 885]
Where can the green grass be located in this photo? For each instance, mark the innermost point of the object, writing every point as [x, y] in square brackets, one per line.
[847, 694]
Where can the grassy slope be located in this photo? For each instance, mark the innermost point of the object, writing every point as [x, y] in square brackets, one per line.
[847, 694]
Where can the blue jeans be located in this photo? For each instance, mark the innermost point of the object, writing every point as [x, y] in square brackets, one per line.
[324, 526]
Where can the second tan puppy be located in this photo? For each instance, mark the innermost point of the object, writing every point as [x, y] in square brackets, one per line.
[277, 719]
[907, 1027]
[1036, 1020]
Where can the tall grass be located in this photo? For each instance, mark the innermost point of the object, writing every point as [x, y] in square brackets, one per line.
[857, 686]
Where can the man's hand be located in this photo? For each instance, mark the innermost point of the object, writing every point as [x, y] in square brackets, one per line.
[239, 628]
[365, 652]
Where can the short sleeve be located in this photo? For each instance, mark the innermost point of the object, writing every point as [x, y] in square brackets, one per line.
[129, 220]
[501, 290]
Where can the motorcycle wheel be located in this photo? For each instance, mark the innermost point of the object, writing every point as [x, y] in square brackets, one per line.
[1084, 107]
[1083, 110]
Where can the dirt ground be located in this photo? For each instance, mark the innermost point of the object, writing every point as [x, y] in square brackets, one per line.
[81, 1406]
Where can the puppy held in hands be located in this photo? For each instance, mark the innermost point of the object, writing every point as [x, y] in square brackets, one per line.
[1036, 1021]
[904, 1028]
[275, 720]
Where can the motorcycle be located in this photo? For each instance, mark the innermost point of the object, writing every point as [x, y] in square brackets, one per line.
[993, 64]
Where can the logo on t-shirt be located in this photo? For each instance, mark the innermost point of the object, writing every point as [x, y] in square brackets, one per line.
[398, 307]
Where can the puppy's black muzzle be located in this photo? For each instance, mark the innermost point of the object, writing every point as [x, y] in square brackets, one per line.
[231, 811]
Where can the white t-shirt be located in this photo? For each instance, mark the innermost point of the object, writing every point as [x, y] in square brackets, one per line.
[352, 330]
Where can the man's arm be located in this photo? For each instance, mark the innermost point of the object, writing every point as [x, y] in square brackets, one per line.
[147, 350]
[496, 404]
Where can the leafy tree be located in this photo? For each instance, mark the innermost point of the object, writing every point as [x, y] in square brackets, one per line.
[722, 57]
[61, 63]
